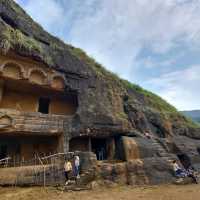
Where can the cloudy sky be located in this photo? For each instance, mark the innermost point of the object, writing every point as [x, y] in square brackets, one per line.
[154, 43]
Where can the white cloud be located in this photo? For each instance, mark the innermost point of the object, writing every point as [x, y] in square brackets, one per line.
[118, 31]
[181, 87]
[49, 13]
[109, 28]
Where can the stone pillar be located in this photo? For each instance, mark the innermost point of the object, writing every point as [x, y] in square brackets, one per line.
[66, 142]
[130, 148]
[111, 148]
[89, 144]
[66, 137]
[1, 90]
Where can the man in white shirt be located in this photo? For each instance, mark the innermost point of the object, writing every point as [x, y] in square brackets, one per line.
[77, 166]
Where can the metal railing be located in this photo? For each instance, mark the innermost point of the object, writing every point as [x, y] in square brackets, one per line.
[48, 169]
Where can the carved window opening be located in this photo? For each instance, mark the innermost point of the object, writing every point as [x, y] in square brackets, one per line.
[43, 106]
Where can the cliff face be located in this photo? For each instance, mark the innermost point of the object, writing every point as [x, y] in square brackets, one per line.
[105, 101]
[107, 104]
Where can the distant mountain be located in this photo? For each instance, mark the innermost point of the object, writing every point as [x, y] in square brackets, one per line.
[194, 114]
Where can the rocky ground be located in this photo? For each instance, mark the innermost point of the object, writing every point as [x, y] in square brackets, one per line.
[164, 192]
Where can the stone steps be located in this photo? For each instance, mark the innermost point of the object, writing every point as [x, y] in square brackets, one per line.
[161, 151]
[80, 183]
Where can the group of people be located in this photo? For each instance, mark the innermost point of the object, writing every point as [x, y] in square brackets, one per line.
[182, 173]
[70, 167]
[178, 171]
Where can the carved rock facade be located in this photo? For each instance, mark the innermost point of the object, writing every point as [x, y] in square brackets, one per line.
[53, 98]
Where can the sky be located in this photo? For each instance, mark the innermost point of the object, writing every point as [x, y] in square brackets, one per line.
[153, 43]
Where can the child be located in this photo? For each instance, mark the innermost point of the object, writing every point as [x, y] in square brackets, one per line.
[67, 169]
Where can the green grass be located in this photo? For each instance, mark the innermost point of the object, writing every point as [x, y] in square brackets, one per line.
[12, 39]
[179, 117]
[16, 39]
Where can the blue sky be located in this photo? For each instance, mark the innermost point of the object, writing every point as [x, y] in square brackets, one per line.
[154, 43]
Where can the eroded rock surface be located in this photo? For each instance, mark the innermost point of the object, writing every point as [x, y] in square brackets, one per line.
[107, 105]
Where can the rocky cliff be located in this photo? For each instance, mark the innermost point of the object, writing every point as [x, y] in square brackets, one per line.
[107, 104]
[104, 100]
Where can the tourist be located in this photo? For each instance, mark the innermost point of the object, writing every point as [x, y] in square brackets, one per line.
[101, 154]
[179, 172]
[67, 169]
[77, 166]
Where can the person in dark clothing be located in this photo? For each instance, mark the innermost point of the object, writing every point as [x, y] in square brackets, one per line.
[192, 173]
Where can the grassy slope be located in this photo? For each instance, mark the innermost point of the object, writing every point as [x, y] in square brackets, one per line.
[155, 102]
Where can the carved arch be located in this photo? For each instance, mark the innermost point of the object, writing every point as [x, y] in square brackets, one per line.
[58, 82]
[38, 76]
[5, 121]
[12, 70]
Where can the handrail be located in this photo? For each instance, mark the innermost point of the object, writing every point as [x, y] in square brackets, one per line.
[57, 154]
[5, 159]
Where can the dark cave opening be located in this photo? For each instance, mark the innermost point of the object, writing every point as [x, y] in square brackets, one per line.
[185, 160]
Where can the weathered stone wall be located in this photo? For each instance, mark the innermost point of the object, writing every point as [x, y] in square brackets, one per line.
[32, 123]
[16, 67]
[15, 94]
[20, 148]
[27, 130]
[79, 144]
[61, 107]
[19, 101]
[49, 174]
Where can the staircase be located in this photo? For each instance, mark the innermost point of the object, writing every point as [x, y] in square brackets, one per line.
[162, 150]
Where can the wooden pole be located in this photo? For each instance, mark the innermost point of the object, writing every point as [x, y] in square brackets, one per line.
[44, 177]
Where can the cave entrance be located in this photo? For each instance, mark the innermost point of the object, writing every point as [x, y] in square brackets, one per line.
[3, 151]
[99, 147]
[198, 150]
[185, 160]
[104, 148]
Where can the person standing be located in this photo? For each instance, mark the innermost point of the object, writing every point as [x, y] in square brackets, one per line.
[77, 166]
[67, 170]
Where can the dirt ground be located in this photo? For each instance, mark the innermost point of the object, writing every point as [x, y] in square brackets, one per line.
[164, 192]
